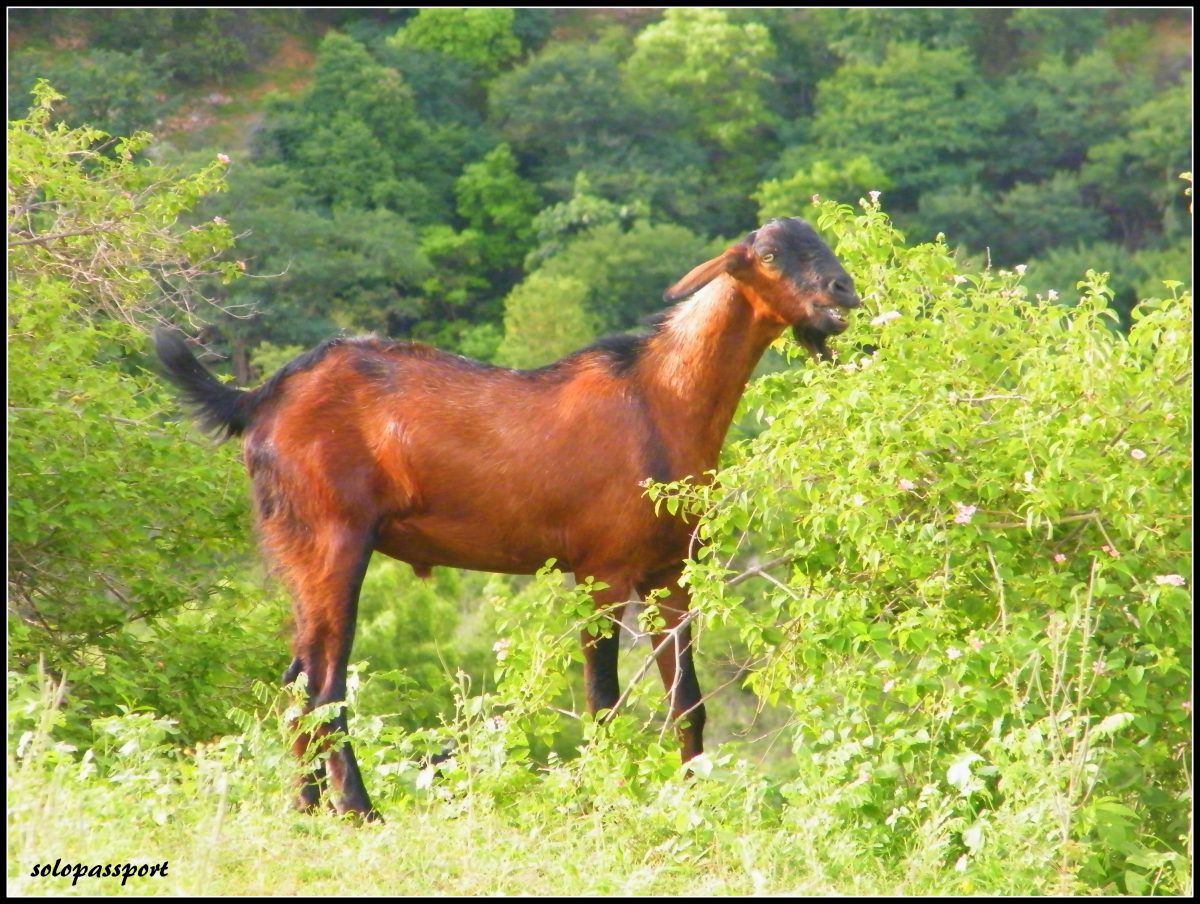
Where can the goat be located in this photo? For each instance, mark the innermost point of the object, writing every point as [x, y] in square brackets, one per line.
[365, 445]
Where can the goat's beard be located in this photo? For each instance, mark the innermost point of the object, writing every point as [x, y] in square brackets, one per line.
[816, 342]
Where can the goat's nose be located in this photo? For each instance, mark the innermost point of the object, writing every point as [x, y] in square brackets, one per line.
[842, 290]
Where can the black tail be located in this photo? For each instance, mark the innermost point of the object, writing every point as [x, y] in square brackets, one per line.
[222, 410]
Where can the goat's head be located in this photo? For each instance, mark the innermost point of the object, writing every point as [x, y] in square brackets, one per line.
[789, 275]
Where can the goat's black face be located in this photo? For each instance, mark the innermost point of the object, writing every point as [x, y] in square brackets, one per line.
[800, 279]
[790, 277]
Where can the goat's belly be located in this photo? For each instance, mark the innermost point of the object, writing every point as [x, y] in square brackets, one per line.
[478, 545]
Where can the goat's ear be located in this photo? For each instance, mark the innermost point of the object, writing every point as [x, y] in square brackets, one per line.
[733, 260]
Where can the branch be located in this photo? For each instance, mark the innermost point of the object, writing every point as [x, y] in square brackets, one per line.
[759, 569]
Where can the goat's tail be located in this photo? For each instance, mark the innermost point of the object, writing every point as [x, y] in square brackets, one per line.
[222, 410]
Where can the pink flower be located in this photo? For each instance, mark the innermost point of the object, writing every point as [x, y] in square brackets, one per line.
[1059, 558]
[906, 484]
[1137, 453]
[1112, 552]
[976, 644]
[1175, 580]
[965, 513]
[223, 158]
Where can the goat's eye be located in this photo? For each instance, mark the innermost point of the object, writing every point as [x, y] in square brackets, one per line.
[767, 258]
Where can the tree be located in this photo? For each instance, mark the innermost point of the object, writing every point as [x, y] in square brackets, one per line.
[626, 272]
[124, 538]
[863, 35]
[1135, 173]
[114, 91]
[499, 207]
[922, 116]
[568, 110]
[844, 180]
[717, 70]
[545, 317]
[480, 36]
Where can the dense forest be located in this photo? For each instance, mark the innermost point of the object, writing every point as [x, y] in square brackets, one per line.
[943, 597]
[510, 184]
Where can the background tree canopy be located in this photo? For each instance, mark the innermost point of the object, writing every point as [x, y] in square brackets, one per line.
[945, 596]
[393, 167]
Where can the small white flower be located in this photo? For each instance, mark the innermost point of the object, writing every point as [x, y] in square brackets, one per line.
[906, 484]
[1020, 268]
[220, 221]
[1051, 295]
[1137, 453]
[959, 280]
[965, 513]
[500, 648]
[859, 499]
[874, 197]
[886, 317]
[1175, 580]
[954, 653]
[816, 199]
[888, 685]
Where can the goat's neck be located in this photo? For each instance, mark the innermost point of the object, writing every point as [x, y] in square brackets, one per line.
[697, 366]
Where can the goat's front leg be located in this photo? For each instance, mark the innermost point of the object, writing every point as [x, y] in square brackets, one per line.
[675, 664]
[600, 651]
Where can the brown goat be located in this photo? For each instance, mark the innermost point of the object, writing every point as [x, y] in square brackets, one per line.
[365, 445]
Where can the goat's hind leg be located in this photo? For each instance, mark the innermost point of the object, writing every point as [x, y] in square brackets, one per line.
[326, 573]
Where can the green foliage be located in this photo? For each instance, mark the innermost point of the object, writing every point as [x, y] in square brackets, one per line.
[922, 116]
[626, 272]
[844, 181]
[114, 91]
[316, 272]
[1061, 33]
[555, 225]
[1136, 174]
[417, 633]
[1036, 216]
[119, 529]
[545, 317]
[499, 207]
[197, 45]
[968, 630]
[700, 59]
[864, 35]
[480, 36]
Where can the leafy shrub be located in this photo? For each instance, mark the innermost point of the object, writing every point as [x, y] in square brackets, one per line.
[988, 528]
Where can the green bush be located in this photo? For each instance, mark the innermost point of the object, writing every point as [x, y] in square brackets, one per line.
[986, 614]
[126, 533]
